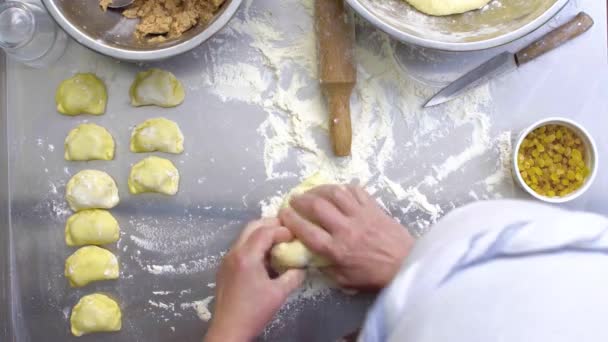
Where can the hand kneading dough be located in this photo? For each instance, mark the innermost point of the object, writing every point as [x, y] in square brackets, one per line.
[91, 227]
[81, 94]
[89, 264]
[156, 87]
[157, 134]
[91, 189]
[294, 254]
[95, 313]
[154, 174]
[447, 7]
[89, 142]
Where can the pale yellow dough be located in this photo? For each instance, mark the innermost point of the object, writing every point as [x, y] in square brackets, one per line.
[91, 189]
[447, 7]
[91, 227]
[89, 264]
[156, 87]
[295, 254]
[95, 313]
[157, 134]
[154, 174]
[89, 142]
[81, 94]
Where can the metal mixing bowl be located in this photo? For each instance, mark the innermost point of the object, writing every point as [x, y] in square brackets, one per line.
[111, 34]
[500, 22]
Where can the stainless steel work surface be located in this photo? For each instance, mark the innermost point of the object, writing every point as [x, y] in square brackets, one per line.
[251, 133]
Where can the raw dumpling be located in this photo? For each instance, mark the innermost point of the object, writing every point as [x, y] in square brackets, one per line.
[95, 313]
[447, 7]
[154, 174]
[81, 94]
[89, 142]
[295, 254]
[91, 227]
[157, 134]
[89, 264]
[156, 87]
[91, 189]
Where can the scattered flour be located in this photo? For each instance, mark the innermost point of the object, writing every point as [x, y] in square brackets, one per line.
[392, 152]
[390, 128]
[295, 129]
[201, 307]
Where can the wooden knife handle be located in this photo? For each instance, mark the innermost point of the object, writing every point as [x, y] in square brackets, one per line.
[338, 101]
[570, 30]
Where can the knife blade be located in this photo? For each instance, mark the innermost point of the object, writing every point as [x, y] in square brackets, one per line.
[507, 61]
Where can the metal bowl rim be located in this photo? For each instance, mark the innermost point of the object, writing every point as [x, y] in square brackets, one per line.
[467, 46]
[142, 56]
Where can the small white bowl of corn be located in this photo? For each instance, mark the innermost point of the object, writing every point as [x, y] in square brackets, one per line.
[555, 160]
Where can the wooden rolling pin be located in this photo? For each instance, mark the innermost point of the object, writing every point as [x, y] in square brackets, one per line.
[335, 34]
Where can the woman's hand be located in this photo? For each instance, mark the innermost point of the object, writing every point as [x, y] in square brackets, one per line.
[346, 225]
[246, 297]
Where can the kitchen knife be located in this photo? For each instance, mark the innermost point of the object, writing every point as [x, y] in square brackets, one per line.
[335, 35]
[507, 61]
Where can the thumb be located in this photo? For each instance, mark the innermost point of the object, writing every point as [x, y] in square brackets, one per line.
[290, 280]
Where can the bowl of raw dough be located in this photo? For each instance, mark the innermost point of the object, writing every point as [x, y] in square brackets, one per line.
[496, 23]
[116, 35]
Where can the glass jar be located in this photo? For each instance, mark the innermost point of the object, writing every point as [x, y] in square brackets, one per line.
[29, 35]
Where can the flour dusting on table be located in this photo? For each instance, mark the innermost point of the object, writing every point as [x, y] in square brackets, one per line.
[280, 77]
[296, 129]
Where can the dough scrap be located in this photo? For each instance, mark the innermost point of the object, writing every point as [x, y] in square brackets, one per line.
[91, 189]
[89, 264]
[91, 227]
[295, 254]
[89, 142]
[81, 94]
[157, 134]
[156, 87]
[95, 313]
[447, 7]
[154, 174]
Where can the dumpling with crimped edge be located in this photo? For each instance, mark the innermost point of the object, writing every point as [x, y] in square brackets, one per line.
[154, 174]
[156, 87]
[91, 227]
[95, 313]
[91, 189]
[89, 142]
[157, 134]
[81, 94]
[89, 264]
[294, 254]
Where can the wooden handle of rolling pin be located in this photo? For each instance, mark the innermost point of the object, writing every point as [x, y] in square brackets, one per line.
[570, 30]
[338, 101]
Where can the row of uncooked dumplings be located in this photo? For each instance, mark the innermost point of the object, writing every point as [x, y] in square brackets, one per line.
[89, 141]
[89, 192]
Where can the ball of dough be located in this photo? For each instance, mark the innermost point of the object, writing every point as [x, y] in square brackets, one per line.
[447, 7]
[91, 189]
[295, 254]
[95, 313]
[81, 94]
[157, 134]
[89, 142]
[156, 87]
[154, 174]
[89, 264]
[91, 227]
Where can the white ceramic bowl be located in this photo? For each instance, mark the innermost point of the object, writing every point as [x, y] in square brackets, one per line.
[591, 158]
